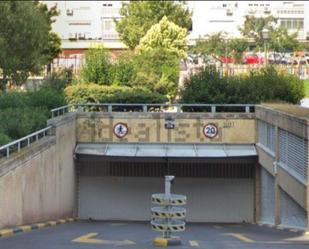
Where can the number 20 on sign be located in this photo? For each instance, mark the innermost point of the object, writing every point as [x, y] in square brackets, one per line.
[210, 130]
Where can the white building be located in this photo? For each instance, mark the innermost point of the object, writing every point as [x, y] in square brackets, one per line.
[84, 23]
[210, 17]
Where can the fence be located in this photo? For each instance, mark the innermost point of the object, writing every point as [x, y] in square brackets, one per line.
[17, 145]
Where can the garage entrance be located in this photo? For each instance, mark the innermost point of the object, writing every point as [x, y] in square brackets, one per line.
[116, 185]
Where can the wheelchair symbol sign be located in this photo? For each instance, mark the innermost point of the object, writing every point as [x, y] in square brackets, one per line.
[120, 130]
[210, 130]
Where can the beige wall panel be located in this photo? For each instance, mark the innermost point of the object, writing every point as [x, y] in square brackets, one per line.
[100, 129]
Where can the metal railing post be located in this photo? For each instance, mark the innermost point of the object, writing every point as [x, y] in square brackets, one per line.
[110, 108]
[145, 108]
[247, 109]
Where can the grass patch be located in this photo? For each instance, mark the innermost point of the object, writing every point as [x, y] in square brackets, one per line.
[306, 83]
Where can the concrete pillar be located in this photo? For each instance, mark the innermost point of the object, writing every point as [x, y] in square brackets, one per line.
[277, 186]
[307, 196]
[277, 202]
[257, 193]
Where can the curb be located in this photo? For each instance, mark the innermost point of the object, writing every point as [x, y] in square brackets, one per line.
[162, 242]
[28, 228]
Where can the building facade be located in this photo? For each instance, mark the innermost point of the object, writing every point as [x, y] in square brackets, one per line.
[82, 24]
[229, 16]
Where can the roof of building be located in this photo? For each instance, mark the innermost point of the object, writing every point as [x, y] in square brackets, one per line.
[295, 110]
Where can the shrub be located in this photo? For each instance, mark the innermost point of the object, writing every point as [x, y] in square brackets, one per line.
[4, 139]
[45, 98]
[58, 80]
[19, 122]
[93, 93]
[264, 85]
[22, 113]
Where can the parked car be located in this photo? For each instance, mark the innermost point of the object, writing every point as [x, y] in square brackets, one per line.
[253, 59]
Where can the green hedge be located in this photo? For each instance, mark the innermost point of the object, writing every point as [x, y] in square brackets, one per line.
[47, 98]
[93, 93]
[264, 85]
[19, 122]
[22, 113]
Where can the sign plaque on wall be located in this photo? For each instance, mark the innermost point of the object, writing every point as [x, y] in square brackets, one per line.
[169, 123]
[120, 130]
[210, 130]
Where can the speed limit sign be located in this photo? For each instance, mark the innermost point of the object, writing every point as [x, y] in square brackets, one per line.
[210, 130]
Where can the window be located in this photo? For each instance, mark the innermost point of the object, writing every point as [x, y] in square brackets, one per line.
[292, 23]
[70, 12]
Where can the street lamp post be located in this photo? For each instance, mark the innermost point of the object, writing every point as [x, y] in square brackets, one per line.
[265, 35]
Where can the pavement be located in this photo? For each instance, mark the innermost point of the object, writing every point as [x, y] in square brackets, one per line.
[138, 235]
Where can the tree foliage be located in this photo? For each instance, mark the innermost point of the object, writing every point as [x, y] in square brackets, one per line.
[26, 41]
[24, 112]
[253, 28]
[165, 35]
[158, 70]
[139, 16]
[218, 46]
[279, 39]
[96, 67]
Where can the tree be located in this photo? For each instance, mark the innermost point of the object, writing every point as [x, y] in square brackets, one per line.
[237, 47]
[213, 45]
[253, 28]
[281, 41]
[54, 46]
[96, 68]
[165, 35]
[25, 41]
[218, 46]
[157, 70]
[139, 16]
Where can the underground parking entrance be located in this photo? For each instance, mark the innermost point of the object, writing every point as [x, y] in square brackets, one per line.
[116, 181]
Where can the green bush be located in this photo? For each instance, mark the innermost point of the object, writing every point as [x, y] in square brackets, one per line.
[46, 98]
[58, 80]
[19, 122]
[13, 99]
[258, 86]
[22, 113]
[4, 139]
[93, 93]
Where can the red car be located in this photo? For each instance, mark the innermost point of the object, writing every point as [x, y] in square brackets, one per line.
[253, 59]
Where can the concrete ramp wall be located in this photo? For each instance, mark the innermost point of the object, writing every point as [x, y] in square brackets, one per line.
[38, 184]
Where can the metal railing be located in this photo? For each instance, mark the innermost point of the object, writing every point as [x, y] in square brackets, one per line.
[117, 107]
[17, 145]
